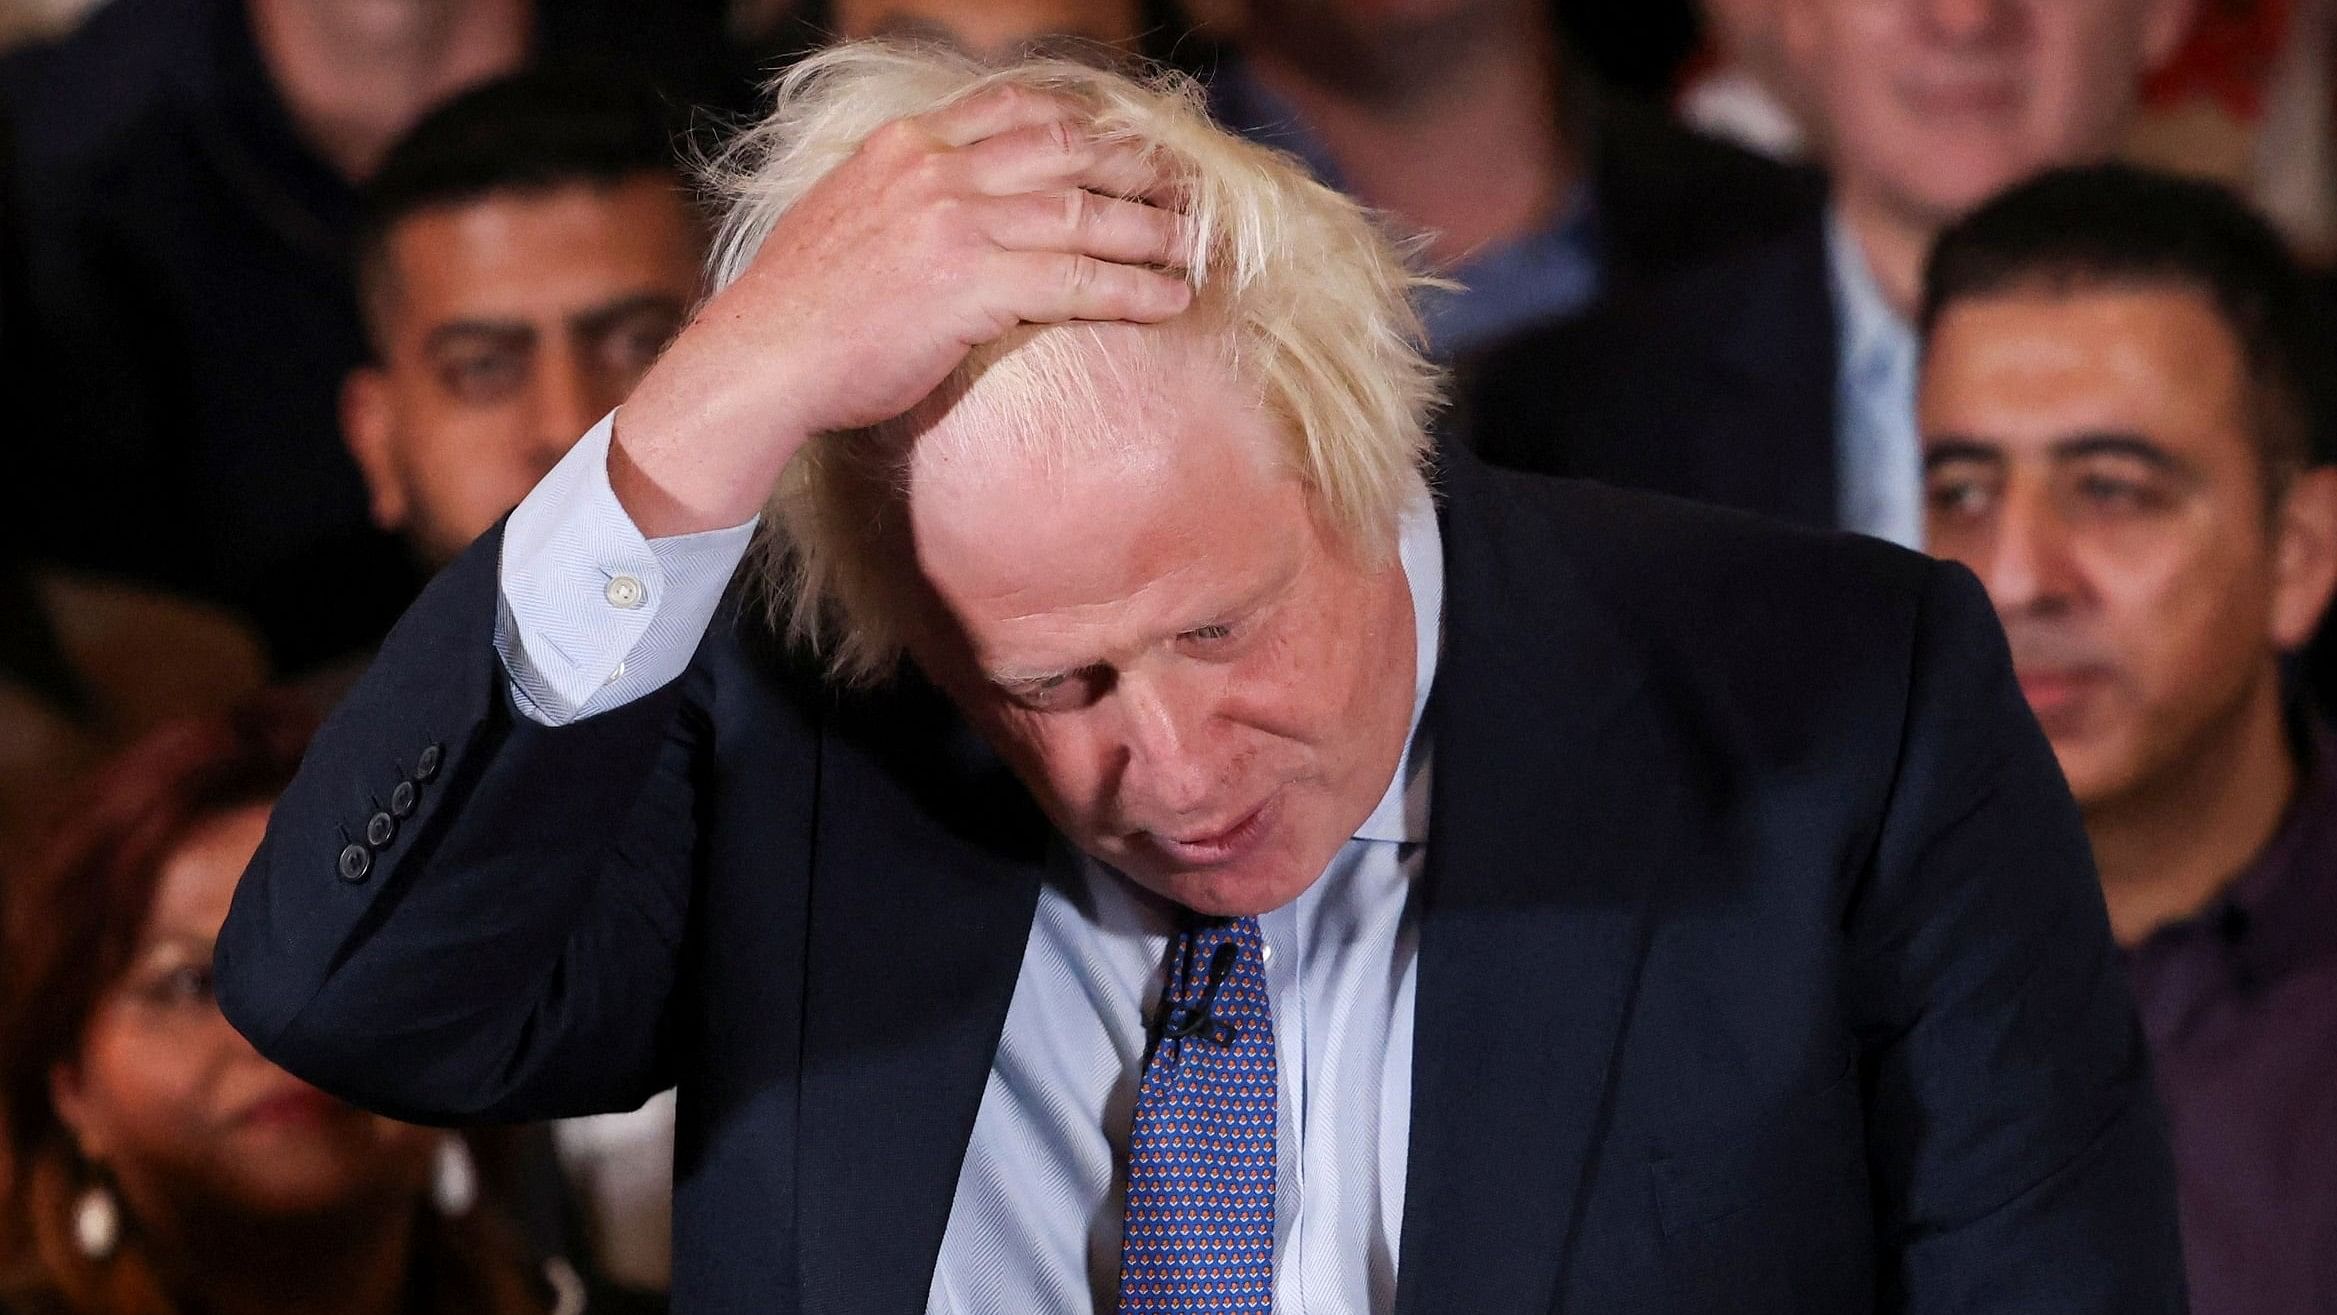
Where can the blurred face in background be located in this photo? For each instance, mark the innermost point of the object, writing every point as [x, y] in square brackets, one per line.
[996, 30]
[1365, 43]
[2091, 456]
[506, 327]
[1925, 108]
[1376, 16]
[173, 1103]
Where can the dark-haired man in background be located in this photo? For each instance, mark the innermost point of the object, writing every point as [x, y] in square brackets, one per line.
[522, 257]
[186, 175]
[2120, 398]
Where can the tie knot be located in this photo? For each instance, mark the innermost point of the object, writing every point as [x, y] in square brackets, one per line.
[1208, 955]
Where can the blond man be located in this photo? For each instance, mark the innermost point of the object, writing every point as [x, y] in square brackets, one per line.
[1124, 847]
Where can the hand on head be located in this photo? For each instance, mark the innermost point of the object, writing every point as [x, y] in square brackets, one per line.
[941, 233]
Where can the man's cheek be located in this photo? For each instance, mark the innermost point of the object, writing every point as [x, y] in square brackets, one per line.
[1059, 767]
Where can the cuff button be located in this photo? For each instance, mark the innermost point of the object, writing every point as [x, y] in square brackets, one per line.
[624, 592]
[401, 805]
[355, 864]
[426, 766]
[380, 830]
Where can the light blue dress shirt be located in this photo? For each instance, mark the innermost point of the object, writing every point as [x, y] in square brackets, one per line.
[594, 615]
[1876, 448]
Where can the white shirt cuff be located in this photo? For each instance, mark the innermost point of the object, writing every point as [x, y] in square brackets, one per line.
[592, 614]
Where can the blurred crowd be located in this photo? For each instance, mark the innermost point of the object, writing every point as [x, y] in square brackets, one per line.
[298, 297]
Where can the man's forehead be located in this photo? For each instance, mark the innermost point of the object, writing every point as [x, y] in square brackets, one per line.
[638, 219]
[1084, 401]
[2060, 378]
[2114, 345]
[997, 490]
[1078, 563]
[1004, 470]
[531, 255]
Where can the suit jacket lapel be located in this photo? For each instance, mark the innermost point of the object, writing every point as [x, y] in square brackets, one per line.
[1547, 832]
[922, 898]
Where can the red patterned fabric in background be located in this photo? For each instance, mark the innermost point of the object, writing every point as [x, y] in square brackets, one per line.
[2228, 57]
[2250, 99]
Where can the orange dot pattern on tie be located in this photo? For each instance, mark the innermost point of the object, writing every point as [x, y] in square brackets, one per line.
[1198, 1234]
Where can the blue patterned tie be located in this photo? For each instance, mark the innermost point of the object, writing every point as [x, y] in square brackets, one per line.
[1198, 1235]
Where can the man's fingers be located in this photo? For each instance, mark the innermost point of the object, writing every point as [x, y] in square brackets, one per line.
[1051, 287]
[1081, 222]
[998, 110]
[1057, 154]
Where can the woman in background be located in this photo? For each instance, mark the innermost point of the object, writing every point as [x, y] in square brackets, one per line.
[151, 1163]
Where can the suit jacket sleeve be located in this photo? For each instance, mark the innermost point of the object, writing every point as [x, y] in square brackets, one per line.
[2020, 1158]
[509, 951]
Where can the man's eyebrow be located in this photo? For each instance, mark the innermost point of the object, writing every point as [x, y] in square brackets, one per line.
[1024, 677]
[2120, 443]
[597, 320]
[1954, 448]
[505, 332]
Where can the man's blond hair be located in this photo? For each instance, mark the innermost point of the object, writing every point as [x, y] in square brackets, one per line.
[1308, 300]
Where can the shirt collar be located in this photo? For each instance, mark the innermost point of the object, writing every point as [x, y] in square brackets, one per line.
[1402, 814]
[1874, 336]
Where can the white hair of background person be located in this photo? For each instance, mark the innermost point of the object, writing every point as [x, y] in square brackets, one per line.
[1296, 288]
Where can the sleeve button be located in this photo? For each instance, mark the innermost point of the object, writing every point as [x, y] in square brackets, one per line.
[426, 766]
[381, 830]
[356, 863]
[401, 804]
[624, 592]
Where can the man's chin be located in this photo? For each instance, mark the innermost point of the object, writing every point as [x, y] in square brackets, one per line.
[1259, 883]
[2098, 770]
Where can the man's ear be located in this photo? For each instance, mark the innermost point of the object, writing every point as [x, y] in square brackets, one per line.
[2164, 26]
[2304, 562]
[369, 427]
[71, 1102]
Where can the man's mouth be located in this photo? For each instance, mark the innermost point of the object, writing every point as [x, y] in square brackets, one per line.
[1985, 96]
[1217, 845]
[2056, 692]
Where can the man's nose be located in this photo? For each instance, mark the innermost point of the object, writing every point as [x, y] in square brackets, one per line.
[1169, 765]
[2028, 567]
[569, 399]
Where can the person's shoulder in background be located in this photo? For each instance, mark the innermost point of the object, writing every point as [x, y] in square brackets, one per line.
[1714, 323]
[1673, 199]
[1713, 380]
[69, 96]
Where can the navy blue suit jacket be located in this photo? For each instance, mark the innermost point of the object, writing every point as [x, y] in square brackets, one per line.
[1762, 967]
